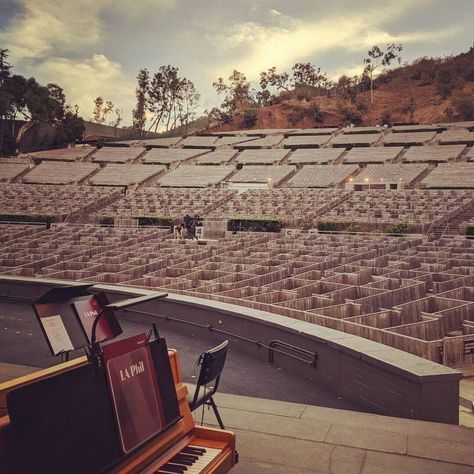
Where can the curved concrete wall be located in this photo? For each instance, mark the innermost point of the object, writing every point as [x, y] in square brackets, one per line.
[380, 378]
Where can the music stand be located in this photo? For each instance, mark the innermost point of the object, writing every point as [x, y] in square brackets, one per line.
[66, 316]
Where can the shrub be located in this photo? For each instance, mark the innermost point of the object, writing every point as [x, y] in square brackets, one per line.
[325, 226]
[27, 218]
[399, 229]
[386, 118]
[470, 231]
[463, 104]
[249, 118]
[349, 112]
[254, 225]
[106, 221]
[156, 221]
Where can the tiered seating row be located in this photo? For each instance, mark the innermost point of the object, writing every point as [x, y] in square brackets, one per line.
[271, 175]
[76, 153]
[172, 203]
[50, 200]
[320, 176]
[9, 171]
[372, 155]
[292, 206]
[385, 175]
[459, 175]
[187, 176]
[48, 172]
[125, 175]
[401, 292]
[114, 154]
[372, 210]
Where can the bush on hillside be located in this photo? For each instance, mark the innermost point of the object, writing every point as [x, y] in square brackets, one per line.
[249, 118]
[463, 105]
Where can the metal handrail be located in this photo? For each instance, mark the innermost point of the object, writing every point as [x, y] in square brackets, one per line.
[312, 362]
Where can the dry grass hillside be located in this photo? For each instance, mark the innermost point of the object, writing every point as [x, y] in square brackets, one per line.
[426, 91]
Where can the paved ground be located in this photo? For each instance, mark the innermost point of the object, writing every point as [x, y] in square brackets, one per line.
[22, 343]
[280, 437]
[297, 430]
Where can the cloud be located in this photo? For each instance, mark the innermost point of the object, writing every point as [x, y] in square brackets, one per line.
[274, 45]
[55, 27]
[84, 80]
[45, 27]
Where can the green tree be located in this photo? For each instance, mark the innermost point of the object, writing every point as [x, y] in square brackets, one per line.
[141, 92]
[101, 110]
[308, 74]
[377, 58]
[237, 93]
[280, 81]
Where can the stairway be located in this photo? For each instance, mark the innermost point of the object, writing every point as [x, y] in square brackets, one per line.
[452, 227]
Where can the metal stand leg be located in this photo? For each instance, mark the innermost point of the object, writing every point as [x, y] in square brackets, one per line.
[216, 412]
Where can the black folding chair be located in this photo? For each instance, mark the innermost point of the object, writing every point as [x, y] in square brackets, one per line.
[212, 363]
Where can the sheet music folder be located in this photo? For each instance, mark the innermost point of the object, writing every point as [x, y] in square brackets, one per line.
[66, 423]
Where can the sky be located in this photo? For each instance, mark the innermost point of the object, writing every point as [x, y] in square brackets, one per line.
[96, 47]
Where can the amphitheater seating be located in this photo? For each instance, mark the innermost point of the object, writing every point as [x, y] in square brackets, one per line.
[198, 142]
[372, 155]
[51, 200]
[263, 132]
[171, 155]
[306, 141]
[75, 153]
[265, 142]
[125, 175]
[188, 176]
[271, 175]
[456, 137]
[408, 138]
[470, 154]
[174, 203]
[417, 128]
[320, 176]
[391, 176]
[9, 171]
[261, 157]
[433, 153]
[114, 154]
[398, 291]
[451, 175]
[217, 157]
[361, 130]
[311, 131]
[292, 206]
[468, 124]
[48, 172]
[372, 210]
[10, 232]
[160, 142]
[150, 142]
[231, 140]
[315, 156]
[355, 139]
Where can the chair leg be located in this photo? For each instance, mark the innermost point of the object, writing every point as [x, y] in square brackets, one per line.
[216, 412]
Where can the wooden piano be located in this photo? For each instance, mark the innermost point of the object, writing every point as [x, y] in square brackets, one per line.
[183, 447]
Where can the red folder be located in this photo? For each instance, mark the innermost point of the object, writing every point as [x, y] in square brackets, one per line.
[132, 381]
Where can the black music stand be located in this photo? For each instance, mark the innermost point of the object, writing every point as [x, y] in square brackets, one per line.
[66, 316]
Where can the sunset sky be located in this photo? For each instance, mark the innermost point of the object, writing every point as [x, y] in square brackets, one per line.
[96, 47]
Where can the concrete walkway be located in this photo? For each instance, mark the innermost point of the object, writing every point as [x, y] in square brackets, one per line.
[466, 402]
[281, 437]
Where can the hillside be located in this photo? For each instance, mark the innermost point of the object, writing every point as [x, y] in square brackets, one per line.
[426, 91]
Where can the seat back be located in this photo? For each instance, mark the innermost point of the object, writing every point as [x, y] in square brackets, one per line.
[212, 363]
